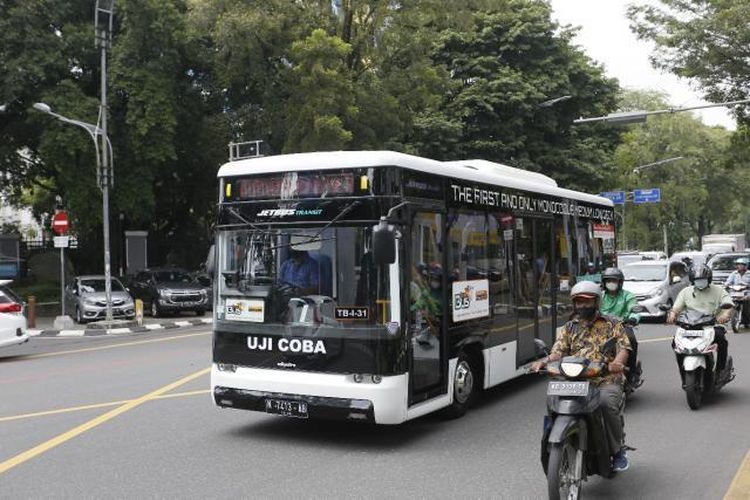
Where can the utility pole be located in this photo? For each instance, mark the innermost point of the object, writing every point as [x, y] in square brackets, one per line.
[103, 39]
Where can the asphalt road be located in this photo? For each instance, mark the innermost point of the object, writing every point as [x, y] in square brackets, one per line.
[131, 416]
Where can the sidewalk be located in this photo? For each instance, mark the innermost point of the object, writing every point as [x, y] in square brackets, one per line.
[44, 327]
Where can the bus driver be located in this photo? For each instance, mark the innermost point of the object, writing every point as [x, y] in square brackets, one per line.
[300, 270]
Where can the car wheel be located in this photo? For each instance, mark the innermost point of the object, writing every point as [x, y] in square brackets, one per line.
[155, 311]
[79, 316]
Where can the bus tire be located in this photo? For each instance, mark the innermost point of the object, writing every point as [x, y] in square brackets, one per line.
[466, 384]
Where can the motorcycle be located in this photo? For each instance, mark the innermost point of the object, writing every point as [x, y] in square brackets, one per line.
[633, 377]
[696, 353]
[738, 293]
[574, 442]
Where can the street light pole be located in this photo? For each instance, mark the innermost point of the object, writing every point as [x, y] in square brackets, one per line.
[103, 39]
[626, 117]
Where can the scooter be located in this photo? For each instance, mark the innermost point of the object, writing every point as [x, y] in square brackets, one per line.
[574, 442]
[739, 294]
[633, 377]
[696, 353]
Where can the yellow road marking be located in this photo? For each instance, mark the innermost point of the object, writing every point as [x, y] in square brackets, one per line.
[95, 422]
[740, 487]
[96, 405]
[112, 346]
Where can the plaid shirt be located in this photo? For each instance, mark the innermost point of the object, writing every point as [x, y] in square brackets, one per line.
[580, 338]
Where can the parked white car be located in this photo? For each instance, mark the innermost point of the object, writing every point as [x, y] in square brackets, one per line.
[13, 326]
[655, 282]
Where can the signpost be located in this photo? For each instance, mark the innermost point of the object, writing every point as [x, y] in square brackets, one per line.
[617, 197]
[652, 195]
[60, 225]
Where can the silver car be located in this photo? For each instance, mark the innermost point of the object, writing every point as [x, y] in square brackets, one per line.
[655, 282]
[86, 299]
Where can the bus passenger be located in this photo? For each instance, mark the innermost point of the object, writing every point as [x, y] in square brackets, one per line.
[301, 271]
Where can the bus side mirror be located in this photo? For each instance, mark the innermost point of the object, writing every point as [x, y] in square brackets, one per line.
[383, 243]
[210, 264]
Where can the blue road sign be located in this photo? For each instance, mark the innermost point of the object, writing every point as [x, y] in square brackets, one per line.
[617, 197]
[652, 195]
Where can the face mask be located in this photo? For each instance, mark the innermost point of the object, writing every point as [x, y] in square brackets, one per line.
[434, 285]
[586, 313]
[612, 287]
[701, 284]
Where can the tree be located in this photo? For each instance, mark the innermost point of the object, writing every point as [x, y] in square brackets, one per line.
[699, 191]
[704, 40]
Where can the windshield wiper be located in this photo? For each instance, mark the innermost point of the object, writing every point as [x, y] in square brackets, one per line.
[343, 212]
[234, 212]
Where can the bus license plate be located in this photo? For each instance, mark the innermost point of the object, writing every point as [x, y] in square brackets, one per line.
[567, 388]
[297, 409]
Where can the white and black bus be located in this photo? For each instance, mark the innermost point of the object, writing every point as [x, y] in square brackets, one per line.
[378, 286]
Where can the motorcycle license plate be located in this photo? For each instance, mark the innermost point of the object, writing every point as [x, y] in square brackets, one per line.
[287, 408]
[556, 388]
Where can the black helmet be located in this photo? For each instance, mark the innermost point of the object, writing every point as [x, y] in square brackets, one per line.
[613, 273]
[701, 272]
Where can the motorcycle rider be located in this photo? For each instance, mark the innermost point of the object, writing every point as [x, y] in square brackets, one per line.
[620, 304]
[708, 299]
[583, 336]
[741, 277]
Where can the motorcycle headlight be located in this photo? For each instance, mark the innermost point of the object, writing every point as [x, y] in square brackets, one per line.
[571, 369]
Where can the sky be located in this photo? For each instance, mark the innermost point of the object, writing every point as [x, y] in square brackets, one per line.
[606, 37]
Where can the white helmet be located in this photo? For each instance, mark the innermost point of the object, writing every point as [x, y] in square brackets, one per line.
[587, 289]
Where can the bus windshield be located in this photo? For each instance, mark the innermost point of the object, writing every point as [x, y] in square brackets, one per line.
[310, 276]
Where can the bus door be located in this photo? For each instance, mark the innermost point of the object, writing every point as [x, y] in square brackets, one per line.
[545, 275]
[427, 304]
[535, 287]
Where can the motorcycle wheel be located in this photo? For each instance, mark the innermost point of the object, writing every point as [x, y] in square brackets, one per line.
[693, 389]
[564, 471]
[736, 320]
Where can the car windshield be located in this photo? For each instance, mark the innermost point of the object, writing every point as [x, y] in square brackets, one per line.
[640, 272]
[623, 260]
[172, 277]
[304, 276]
[724, 262]
[97, 285]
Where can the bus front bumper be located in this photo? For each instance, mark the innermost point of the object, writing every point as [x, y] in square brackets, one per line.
[324, 395]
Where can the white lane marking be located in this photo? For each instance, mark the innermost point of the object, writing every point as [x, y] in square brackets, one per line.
[119, 330]
[154, 327]
[71, 333]
[182, 323]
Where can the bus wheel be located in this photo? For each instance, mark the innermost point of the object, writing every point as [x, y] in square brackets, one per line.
[465, 385]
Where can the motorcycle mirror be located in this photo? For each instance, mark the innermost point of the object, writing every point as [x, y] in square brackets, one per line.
[541, 347]
[608, 347]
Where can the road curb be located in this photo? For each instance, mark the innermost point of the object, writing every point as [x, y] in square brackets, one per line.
[83, 332]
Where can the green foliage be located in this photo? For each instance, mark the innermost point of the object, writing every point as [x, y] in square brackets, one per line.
[705, 40]
[700, 192]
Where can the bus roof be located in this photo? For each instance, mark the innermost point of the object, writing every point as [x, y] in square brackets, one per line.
[483, 171]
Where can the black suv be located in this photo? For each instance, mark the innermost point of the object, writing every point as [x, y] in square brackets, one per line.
[167, 290]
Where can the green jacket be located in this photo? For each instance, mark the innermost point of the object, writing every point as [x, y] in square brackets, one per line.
[620, 306]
